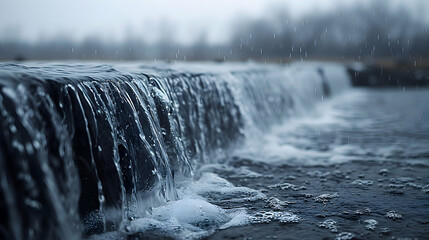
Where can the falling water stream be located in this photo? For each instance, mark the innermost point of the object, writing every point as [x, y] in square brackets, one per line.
[92, 149]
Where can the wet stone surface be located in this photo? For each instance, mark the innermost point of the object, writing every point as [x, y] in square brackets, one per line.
[354, 200]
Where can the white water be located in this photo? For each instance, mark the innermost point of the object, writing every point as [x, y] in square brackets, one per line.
[198, 211]
[340, 129]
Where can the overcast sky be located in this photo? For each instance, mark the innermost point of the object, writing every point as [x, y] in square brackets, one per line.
[185, 20]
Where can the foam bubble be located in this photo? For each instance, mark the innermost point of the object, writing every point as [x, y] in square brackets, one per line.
[218, 190]
[269, 216]
[329, 224]
[287, 186]
[360, 182]
[370, 224]
[195, 215]
[393, 215]
[323, 198]
[188, 218]
[344, 236]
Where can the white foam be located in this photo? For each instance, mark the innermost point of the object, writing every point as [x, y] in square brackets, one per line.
[269, 216]
[193, 216]
[217, 189]
[291, 142]
[188, 218]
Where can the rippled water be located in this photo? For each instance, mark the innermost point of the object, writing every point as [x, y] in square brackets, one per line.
[359, 125]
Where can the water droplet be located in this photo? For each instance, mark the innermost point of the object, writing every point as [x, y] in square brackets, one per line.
[29, 148]
[36, 144]
[142, 137]
[13, 128]
[17, 145]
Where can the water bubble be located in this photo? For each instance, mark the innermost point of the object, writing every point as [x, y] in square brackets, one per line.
[286, 186]
[344, 236]
[268, 216]
[401, 180]
[393, 215]
[384, 230]
[329, 224]
[275, 203]
[363, 182]
[383, 172]
[325, 197]
[371, 223]
[288, 217]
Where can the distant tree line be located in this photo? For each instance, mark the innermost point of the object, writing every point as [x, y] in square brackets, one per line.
[367, 32]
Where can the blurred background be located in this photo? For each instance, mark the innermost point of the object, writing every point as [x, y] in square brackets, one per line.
[215, 30]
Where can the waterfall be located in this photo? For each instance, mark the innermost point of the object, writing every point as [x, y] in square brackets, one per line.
[85, 148]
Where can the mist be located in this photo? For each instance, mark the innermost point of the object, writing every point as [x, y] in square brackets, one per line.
[277, 32]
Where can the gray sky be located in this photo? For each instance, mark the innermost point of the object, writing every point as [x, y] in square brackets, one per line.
[185, 20]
